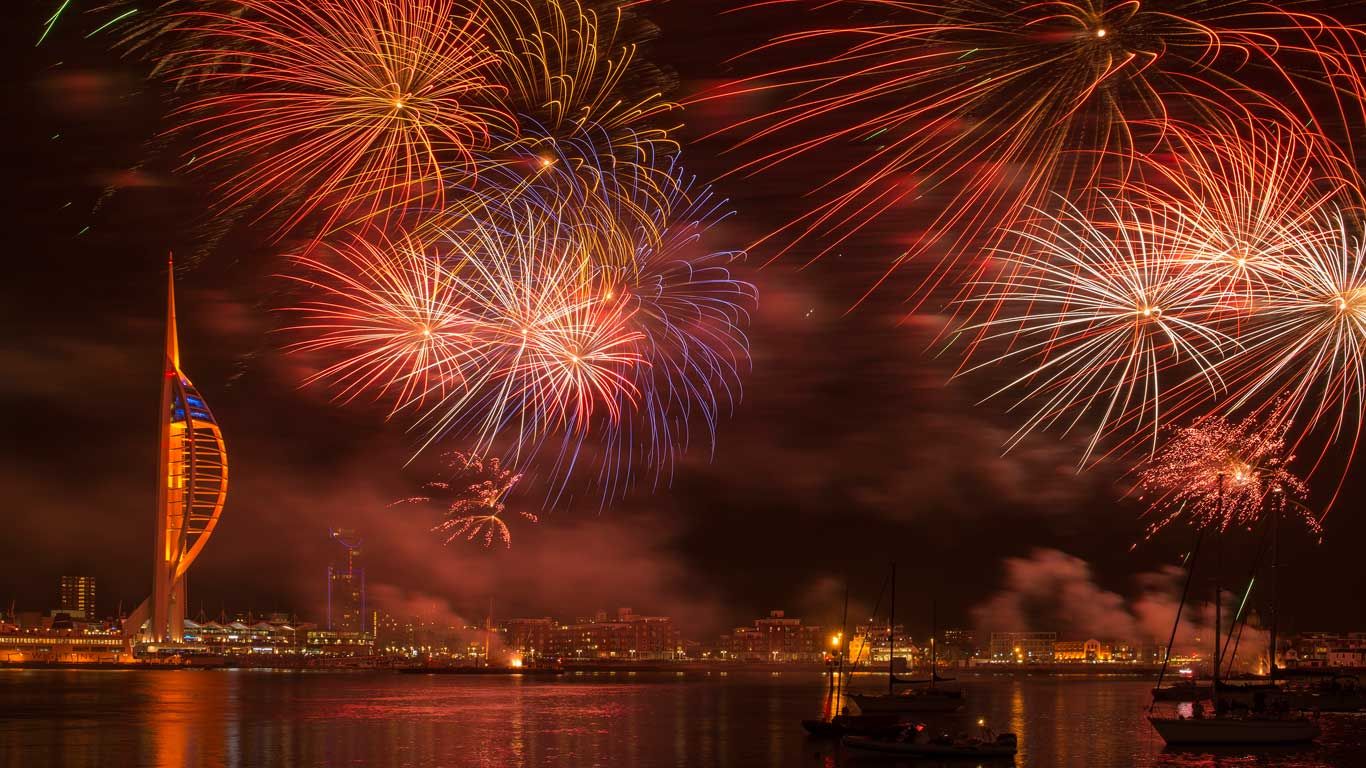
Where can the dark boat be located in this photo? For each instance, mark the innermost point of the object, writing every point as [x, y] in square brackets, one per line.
[914, 700]
[1227, 729]
[1338, 694]
[886, 726]
[918, 742]
[1183, 691]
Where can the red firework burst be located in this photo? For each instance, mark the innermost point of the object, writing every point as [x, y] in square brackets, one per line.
[991, 106]
[348, 108]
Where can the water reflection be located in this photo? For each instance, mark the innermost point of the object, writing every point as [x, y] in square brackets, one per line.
[172, 719]
[192, 720]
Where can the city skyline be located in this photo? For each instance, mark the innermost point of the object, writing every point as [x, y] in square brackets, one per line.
[843, 416]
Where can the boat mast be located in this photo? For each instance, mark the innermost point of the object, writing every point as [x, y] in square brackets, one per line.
[488, 631]
[844, 629]
[891, 637]
[934, 640]
[1275, 565]
[1185, 590]
[1218, 562]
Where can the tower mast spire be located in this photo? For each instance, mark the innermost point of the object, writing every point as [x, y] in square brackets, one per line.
[172, 335]
[192, 484]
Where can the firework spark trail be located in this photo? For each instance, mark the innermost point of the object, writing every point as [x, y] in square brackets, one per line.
[352, 109]
[692, 314]
[1006, 103]
[390, 315]
[1304, 348]
[1103, 318]
[477, 499]
[51, 21]
[158, 32]
[566, 69]
[1217, 473]
[1244, 194]
[556, 349]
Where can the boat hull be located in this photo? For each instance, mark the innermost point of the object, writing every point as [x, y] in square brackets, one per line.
[906, 703]
[1228, 730]
[1182, 693]
[856, 725]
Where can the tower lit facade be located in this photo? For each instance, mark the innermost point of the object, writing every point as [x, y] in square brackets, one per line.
[192, 484]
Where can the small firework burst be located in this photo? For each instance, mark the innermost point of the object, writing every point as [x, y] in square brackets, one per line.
[1219, 473]
[477, 499]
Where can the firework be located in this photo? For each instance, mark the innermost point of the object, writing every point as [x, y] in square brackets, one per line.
[1216, 473]
[1245, 194]
[692, 314]
[542, 334]
[347, 108]
[389, 315]
[1304, 349]
[578, 182]
[993, 105]
[567, 70]
[588, 112]
[477, 500]
[555, 346]
[1103, 318]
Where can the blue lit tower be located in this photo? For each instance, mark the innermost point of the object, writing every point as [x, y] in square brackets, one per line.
[346, 585]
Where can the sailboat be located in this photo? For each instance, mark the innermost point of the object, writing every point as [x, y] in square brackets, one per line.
[1225, 726]
[835, 724]
[929, 699]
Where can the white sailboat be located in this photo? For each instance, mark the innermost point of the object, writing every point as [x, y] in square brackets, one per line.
[1223, 726]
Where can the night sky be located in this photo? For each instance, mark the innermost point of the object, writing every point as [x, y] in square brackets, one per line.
[851, 447]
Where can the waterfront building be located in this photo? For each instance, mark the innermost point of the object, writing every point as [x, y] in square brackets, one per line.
[237, 638]
[1310, 650]
[1022, 647]
[871, 644]
[529, 638]
[628, 637]
[192, 485]
[957, 647]
[73, 645]
[410, 636]
[329, 643]
[77, 597]
[776, 638]
[1091, 650]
